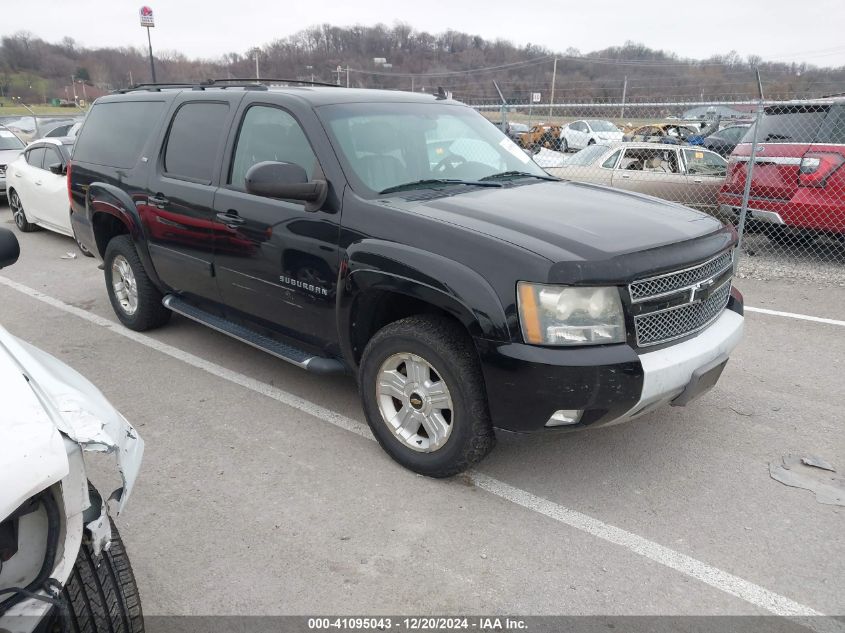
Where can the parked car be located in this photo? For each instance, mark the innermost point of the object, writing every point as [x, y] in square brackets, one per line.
[672, 133]
[37, 184]
[688, 175]
[725, 140]
[579, 134]
[62, 562]
[55, 128]
[541, 135]
[66, 129]
[798, 182]
[466, 290]
[10, 148]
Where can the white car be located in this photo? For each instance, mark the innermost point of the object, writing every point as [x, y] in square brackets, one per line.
[61, 556]
[10, 148]
[36, 184]
[578, 134]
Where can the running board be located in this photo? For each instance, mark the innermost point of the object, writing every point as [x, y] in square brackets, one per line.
[293, 355]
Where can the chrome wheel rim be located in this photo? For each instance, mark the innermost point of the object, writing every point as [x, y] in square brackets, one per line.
[17, 210]
[124, 285]
[414, 402]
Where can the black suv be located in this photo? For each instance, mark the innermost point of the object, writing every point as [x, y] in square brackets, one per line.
[405, 240]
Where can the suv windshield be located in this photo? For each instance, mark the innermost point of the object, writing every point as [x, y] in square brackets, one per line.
[388, 145]
[9, 141]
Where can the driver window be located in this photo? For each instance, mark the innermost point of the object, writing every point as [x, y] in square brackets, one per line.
[269, 133]
[700, 162]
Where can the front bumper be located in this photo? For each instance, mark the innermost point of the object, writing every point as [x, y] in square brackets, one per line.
[611, 384]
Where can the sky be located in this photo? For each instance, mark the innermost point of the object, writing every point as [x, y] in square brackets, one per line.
[776, 30]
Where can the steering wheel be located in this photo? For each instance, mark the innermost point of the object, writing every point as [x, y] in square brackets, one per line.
[449, 162]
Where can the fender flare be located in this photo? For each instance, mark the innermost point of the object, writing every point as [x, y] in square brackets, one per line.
[373, 265]
[102, 197]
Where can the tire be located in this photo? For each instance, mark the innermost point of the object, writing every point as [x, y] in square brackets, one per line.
[564, 145]
[444, 346]
[592, 141]
[18, 214]
[101, 593]
[148, 312]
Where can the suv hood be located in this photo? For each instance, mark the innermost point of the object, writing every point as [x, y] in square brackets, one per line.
[569, 221]
[43, 400]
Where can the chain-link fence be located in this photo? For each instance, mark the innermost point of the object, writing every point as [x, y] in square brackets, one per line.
[772, 168]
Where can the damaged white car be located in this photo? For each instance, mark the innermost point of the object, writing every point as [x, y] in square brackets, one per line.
[63, 566]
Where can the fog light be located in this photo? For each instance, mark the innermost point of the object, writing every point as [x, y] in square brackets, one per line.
[565, 416]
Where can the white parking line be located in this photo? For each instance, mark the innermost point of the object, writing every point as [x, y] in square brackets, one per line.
[724, 581]
[793, 315]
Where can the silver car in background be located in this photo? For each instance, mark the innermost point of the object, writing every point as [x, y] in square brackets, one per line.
[10, 148]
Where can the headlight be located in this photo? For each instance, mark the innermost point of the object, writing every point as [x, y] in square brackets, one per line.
[566, 315]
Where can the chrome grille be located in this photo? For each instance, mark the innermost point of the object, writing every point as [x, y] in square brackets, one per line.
[671, 283]
[665, 325]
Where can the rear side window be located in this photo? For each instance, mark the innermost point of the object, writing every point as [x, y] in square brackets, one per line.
[194, 140]
[35, 157]
[833, 128]
[115, 133]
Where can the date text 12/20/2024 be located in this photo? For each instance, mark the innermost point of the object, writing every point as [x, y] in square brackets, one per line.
[425, 623]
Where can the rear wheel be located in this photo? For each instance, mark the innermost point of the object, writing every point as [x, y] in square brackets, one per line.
[101, 593]
[18, 213]
[424, 397]
[564, 145]
[134, 298]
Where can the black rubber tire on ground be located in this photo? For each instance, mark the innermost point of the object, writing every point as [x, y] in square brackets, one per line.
[101, 593]
[150, 312]
[564, 145]
[19, 215]
[444, 344]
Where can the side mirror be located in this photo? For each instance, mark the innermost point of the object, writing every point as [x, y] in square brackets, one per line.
[286, 181]
[57, 168]
[9, 248]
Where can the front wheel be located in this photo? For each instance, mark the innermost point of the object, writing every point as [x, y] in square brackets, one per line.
[19, 215]
[564, 145]
[134, 298]
[424, 398]
[101, 593]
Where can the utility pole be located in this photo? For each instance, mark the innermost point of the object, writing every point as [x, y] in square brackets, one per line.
[552, 93]
[624, 93]
[338, 72]
[257, 75]
[131, 81]
[412, 83]
[73, 85]
[152, 62]
[347, 75]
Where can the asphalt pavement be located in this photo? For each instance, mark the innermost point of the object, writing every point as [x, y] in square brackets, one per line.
[262, 492]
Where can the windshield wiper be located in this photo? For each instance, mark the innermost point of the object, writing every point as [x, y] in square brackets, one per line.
[516, 174]
[422, 184]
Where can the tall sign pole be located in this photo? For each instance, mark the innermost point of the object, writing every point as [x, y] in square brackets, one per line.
[148, 22]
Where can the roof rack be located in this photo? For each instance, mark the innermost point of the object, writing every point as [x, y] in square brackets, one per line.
[264, 80]
[248, 83]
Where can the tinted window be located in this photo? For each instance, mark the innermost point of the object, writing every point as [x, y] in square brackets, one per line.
[9, 141]
[35, 157]
[789, 124]
[194, 140]
[833, 128]
[270, 134]
[115, 133]
[731, 134]
[51, 157]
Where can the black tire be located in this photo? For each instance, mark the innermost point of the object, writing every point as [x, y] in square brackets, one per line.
[101, 593]
[564, 145]
[150, 313]
[592, 141]
[19, 215]
[445, 345]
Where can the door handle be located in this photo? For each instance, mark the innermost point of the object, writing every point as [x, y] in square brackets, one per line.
[230, 218]
[626, 176]
[698, 180]
[157, 201]
[38, 182]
